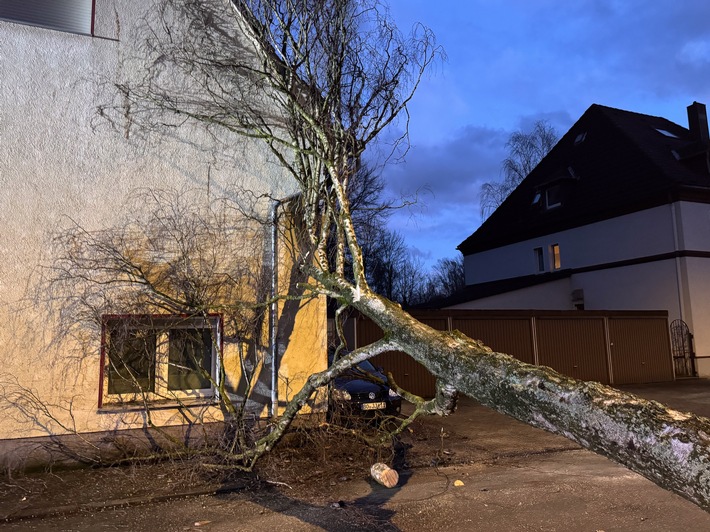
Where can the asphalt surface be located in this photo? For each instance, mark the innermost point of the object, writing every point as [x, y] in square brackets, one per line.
[510, 477]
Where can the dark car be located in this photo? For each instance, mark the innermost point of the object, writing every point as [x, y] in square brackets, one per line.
[356, 391]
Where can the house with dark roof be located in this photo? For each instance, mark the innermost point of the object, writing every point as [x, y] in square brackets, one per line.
[615, 217]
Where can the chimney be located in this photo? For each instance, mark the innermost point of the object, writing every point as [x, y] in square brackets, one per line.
[698, 122]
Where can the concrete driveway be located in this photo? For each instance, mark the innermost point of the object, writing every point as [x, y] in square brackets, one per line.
[510, 477]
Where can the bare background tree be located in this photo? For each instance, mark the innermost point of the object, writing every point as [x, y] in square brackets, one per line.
[525, 151]
[449, 276]
[318, 81]
[392, 268]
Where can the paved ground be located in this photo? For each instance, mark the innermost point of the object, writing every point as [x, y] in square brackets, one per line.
[514, 478]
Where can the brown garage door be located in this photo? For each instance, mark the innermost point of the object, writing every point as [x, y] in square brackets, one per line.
[407, 372]
[639, 350]
[607, 346]
[510, 336]
[575, 347]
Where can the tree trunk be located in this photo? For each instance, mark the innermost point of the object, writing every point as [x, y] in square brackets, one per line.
[668, 447]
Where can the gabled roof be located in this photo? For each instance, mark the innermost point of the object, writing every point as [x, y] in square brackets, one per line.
[610, 163]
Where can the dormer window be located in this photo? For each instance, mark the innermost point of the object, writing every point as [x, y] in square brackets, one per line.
[580, 138]
[553, 197]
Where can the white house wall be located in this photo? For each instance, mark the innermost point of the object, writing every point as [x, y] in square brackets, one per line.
[626, 237]
[549, 296]
[649, 286]
[697, 298]
[694, 226]
[59, 165]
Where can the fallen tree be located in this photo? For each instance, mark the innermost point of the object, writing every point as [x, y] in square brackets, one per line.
[339, 73]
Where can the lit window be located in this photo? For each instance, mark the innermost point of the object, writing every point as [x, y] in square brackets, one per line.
[539, 259]
[159, 357]
[74, 16]
[555, 256]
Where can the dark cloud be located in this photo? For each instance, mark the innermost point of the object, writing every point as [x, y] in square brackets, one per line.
[451, 169]
[513, 62]
[446, 178]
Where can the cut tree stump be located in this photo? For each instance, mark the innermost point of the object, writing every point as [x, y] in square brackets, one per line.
[384, 475]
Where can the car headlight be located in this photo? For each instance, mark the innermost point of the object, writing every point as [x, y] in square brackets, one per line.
[393, 394]
[340, 395]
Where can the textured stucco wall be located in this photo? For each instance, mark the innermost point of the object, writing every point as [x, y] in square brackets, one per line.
[61, 164]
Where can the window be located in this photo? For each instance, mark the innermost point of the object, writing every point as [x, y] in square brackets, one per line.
[74, 16]
[189, 350]
[539, 259]
[553, 197]
[158, 357]
[131, 359]
[580, 138]
[555, 257]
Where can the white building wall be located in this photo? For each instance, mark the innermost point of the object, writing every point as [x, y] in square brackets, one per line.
[697, 298]
[648, 286]
[555, 295]
[693, 221]
[61, 164]
[626, 237]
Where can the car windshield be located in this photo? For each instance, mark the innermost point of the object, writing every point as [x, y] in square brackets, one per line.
[365, 365]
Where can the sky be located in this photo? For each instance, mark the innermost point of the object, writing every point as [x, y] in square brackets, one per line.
[510, 63]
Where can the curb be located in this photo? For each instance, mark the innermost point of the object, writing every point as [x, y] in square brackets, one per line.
[69, 509]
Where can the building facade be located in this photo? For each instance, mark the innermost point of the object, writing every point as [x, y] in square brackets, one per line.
[66, 170]
[615, 217]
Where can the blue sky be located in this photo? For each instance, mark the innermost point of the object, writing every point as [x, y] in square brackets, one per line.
[510, 63]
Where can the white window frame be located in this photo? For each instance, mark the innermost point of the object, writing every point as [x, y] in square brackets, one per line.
[162, 325]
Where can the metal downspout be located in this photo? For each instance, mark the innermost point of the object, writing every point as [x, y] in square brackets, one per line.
[274, 307]
[273, 313]
[678, 268]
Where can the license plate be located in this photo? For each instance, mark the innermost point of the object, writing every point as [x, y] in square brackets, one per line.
[373, 406]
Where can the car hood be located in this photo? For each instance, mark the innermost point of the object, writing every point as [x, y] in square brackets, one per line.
[356, 384]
